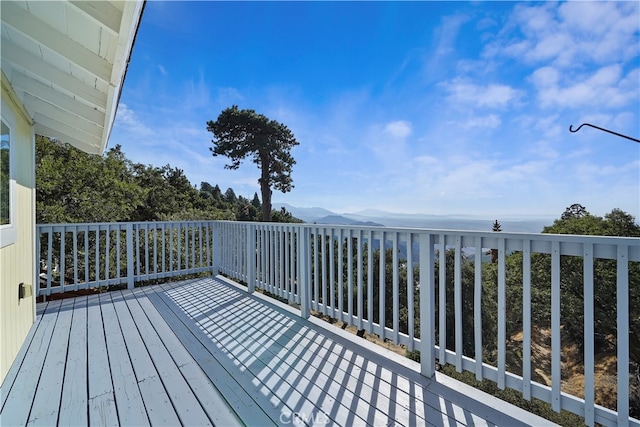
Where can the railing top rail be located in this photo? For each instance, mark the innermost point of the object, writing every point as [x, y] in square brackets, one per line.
[570, 244]
[93, 224]
[489, 234]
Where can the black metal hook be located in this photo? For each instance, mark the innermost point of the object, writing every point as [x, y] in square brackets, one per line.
[602, 129]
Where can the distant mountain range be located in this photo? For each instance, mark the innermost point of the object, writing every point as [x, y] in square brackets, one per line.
[343, 220]
[379, 218]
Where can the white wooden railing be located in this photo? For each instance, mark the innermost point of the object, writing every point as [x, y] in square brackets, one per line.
[335, 270]
[331, 269]
[109, 254]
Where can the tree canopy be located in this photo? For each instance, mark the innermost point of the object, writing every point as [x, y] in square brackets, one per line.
[73, 186]
[577, 220]
[239, 134]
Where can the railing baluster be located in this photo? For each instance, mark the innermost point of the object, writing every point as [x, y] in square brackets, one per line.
[171, 228]
[62, 259]
[130, 256]
[555, 326]
[207, 238]
[381, 290]
[179, 249]
[477, 306]
[410, 293]
[251, 258]
[200, 227]
[164, 253]
[264, 272]
[146, 250]
[273, 262]
[75, 257]
[38, 261]
[235, 241]
[395, 288]
[98, 254]
[155, 251]
[340, 287]
[349, 277]
[325, 305]
[526, 319]
[360, 281]
[442, 296]
[49, 256]
[136, 229]
[292, 253]
[187, 227]
[118, 250]
[332, 274]
[107, 254]
[457, 304]
[589, 335]
[232, 239]
[370, 283]
[316, 277]
[191, 263]
[282, 262]
[86, 255]
[502, 313]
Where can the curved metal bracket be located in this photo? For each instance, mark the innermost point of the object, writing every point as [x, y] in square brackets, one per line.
[602, 129]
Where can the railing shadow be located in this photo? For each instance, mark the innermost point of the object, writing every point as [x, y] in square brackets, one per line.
[301, 373]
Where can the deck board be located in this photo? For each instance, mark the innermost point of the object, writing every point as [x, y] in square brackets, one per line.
[20, 399]
[131, 410]
[14, 370]
[73, 404]
[46, 403]
[205, 352]
[101, 400]
[157, 402]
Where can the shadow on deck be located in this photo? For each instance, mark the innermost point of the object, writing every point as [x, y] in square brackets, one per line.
[205, 351]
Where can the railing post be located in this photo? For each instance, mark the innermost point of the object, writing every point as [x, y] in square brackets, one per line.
[427, 306]
[216, 249]
[251, 257]
[37, 261]
[622, 322]
[130, 272]
[304, 270]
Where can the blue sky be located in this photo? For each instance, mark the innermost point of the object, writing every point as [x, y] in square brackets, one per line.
[412, 107]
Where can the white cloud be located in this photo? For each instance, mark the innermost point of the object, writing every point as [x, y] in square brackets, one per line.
[398, 129]
[490, 121]
[127, 118]
[447, 33]
[549, 128]
[605, 87]
[229, 96]
[545, 77]
[467, 94]
[570, 34]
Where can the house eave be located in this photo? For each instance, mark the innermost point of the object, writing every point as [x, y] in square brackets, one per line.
[66, 63]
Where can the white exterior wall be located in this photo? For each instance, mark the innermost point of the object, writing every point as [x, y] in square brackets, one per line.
[17, 259]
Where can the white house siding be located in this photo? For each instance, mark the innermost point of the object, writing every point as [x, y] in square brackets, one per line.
[17, 259]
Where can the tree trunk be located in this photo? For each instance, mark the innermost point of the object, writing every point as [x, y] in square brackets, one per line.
[266, 202]
[265, 189]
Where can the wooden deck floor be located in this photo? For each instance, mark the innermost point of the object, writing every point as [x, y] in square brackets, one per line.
[205, 352]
